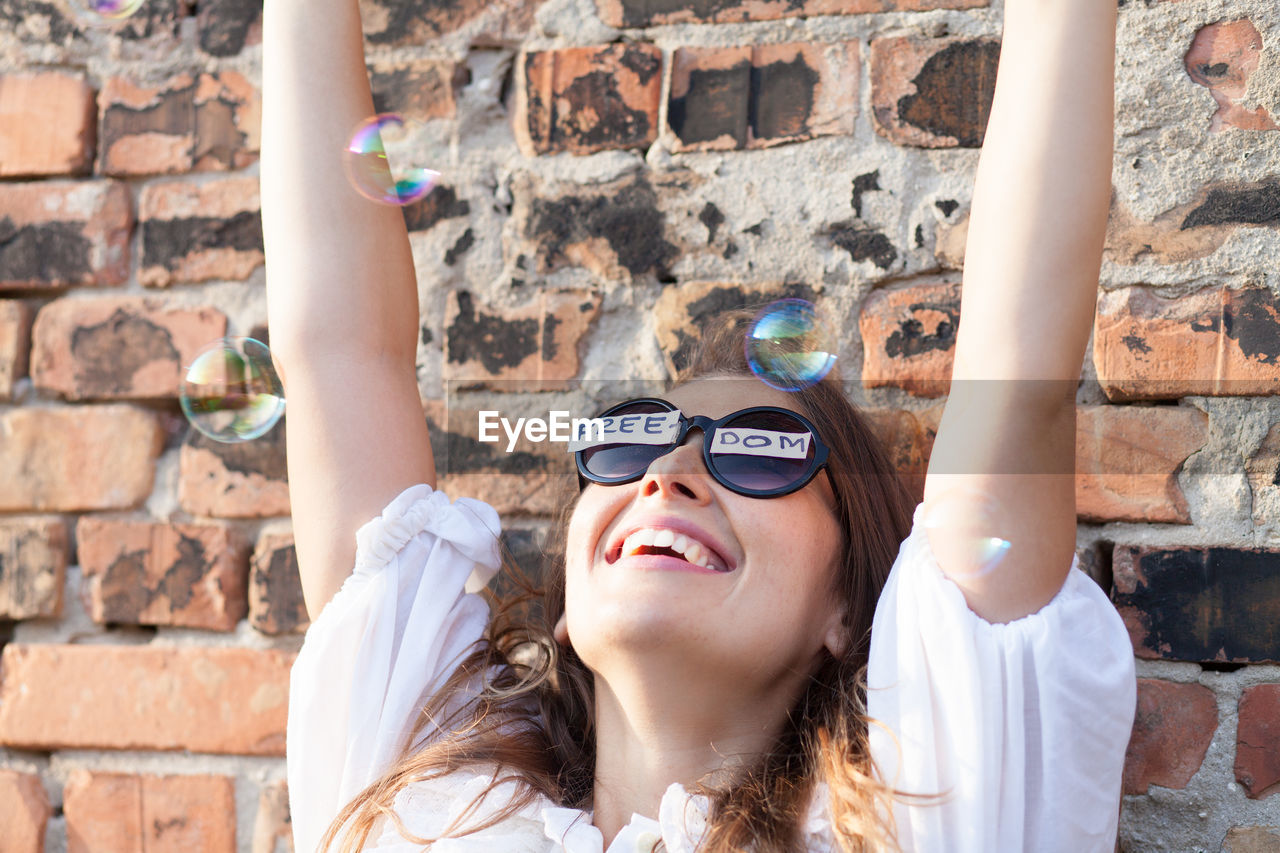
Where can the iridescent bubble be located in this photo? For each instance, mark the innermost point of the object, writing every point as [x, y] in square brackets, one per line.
[788, 346]
[106, 12]
[384, 160]
[231, 392]
[963, 525]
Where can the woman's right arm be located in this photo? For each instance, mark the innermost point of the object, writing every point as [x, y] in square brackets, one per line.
[341, 295]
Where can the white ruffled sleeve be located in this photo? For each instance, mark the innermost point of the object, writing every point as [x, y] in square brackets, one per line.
[388, 639]
[1021, 726]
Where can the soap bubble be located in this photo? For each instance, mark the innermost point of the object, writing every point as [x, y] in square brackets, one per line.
[384, 160]
[106, 12]
[788, 346]
[231, 392]
[963, 529]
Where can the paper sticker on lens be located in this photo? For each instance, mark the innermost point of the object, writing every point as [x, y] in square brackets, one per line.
[384, 158]
[962, 525]
[231, 392]
[789, 347]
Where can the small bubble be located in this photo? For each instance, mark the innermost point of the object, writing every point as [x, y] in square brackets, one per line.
[788, 346]
[231, 392]
[964, 532]
[106, 12]
[383, 160]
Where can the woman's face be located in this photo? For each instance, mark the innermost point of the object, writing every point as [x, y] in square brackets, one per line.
[766, 612]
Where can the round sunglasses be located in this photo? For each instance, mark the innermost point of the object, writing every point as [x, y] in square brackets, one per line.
[760, 452]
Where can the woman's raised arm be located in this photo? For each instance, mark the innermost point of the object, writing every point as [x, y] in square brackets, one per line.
[1031, 275]
[341, 294]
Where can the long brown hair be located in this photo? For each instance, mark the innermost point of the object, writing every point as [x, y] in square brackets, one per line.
[532, 721]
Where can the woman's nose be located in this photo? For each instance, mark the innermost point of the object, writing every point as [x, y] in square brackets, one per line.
[679, 474]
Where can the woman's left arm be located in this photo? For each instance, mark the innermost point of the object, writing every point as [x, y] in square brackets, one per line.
[1036, 232]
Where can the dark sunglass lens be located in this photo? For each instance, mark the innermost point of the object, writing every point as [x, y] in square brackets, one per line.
[763, 451]
[616, 461]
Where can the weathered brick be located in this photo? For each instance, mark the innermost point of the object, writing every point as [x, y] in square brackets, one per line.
[647, 13]
[33, 567]
[158, 573]
[539, 342]
[275, 587]
[118, 347]
[532, 479]
[15, 344]
[46, 124]
[909, 337]
[205, 122]
[762, 95]
[615, 230]
[1199, 604]
[24, 811]
[225, 27]
[1222, 58]
[1128, 458]
[1216, 342]
[421, 89]
[55, 234]
[125, 812]
[1258, 741]
[272, 826]
[74, 459]
[586, 99]
[1193, 230]
[243, 480]
[200, 232]
[1252, 839]
[681, 311]
[219, 700]
[908, 438]
[398, 23]
[933, 93]
[1172, 729]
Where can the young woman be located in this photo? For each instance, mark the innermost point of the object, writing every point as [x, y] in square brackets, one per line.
[693, 677]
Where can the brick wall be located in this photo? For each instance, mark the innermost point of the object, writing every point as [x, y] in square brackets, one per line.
[614, 170]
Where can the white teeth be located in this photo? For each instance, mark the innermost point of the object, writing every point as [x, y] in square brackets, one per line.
[693, 551]
[681, 544]
[694, 554]
[664, 539]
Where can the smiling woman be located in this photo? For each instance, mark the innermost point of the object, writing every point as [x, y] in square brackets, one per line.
[745, 640]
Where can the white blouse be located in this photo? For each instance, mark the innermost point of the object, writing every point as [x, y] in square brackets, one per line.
[1021, 726]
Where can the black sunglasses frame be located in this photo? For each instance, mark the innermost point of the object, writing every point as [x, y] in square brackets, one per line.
[709, 427]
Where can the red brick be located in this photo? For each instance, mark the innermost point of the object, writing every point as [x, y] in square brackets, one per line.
[208, 122]
[908, 438]
[681, 311]
[24, 811]
[909, 337]
[1252, 839]
[200, 232]
[762, 95]
[118, 348]
[33, 567]
[933, 93]
[243, 480]
[1214, 342]
[65, 233]
[1199, 604]
[538, 343]
[1193, 230]
[421, 89]
[272, 826]
[157, 573]
[645, 13]
[275, 587]
[1222, 58]
[586, 99]
[46, 125]
[1172, 729]
[218, 700]
[125, 812]
[74, 459]
[15, 343]
[1258, 741]
[1128, 458]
